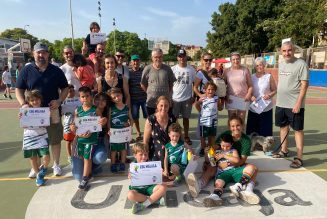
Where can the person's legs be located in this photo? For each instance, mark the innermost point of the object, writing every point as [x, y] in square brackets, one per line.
[34, 164]
[186, 125]
[55, 132]
[78, 166]
[135, 116]
[252, 124]
[214, 199]
[265, 123]
[299, 140]
[242, 114]
[283, 135]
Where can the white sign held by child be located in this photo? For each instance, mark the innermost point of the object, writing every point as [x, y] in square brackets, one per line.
[121, 135]
[87, 124]
[35, 117]
[96, 38]
[146, 173]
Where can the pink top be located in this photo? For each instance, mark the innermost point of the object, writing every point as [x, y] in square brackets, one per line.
[86, 76]
[236, 82]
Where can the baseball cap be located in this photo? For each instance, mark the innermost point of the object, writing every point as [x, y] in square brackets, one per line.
[181, 52]
[135, 57]
[39, 46]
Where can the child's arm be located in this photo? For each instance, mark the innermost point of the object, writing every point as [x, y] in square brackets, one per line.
[234, 159]
[109, 119]
[198, 105]
[166, 171]
[130, 118]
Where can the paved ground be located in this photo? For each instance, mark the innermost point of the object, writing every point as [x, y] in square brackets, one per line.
[287, 193]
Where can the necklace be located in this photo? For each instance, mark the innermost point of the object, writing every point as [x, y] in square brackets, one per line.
[112, 80]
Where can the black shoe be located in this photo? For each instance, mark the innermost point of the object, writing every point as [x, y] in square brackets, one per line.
[10, 97]
[83, 184]
[201, 154]
[5, 95]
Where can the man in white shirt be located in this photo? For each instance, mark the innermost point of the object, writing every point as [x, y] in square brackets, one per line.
[182, 91]
[67, 68]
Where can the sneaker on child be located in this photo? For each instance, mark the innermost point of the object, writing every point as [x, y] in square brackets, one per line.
[249, 197]
[137, 207]
[213, 200]
[32, 174]
[83, 184]
[40, 176]
[236, 189]
[193, 185]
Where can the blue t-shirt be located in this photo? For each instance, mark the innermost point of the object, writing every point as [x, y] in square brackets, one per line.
[47, 82]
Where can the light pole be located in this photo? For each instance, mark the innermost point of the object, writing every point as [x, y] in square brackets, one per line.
[71, 22]
[99, 9]
[114, 24]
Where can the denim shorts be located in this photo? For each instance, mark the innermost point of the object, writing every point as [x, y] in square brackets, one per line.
[136, 109]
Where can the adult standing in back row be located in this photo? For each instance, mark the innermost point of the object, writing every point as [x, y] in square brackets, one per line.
[293, 82]
[182, 91]
[157, 80]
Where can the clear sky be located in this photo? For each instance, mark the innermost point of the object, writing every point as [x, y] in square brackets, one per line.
[180, 21]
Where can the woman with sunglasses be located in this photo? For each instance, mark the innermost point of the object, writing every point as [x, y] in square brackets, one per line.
[202, 76]
[239, 87]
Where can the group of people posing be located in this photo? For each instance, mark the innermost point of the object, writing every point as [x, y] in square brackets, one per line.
[100, 85]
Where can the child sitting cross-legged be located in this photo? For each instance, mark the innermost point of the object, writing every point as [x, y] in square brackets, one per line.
[144, 196]
[173, 156]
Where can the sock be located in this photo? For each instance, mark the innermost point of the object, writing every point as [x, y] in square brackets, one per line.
[86, 178]
[218, 192]
[250, 186]
[147, 203]
[245, 179]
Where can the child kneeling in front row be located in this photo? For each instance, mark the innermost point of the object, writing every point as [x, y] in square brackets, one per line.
[144, 196]
[173, 155]
[36, 142]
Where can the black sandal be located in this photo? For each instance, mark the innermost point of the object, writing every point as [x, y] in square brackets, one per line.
[296, 163]
[280, 154]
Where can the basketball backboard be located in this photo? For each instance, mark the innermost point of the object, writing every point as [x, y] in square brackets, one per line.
[25, 45]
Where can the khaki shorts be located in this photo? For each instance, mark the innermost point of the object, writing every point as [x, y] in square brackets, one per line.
[55, 133]
[183, 108]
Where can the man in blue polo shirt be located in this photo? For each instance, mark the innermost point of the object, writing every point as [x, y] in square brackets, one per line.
[48, 79]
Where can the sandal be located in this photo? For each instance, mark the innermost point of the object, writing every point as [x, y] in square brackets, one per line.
[280, 154]
[139, 138]
[296, 163]
[188, 140]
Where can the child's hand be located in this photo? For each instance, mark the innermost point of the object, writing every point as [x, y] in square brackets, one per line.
[126, 124]
[109, 132]
[165, 173]
[219, 156]
[103, 121]
[86, 135]
[73, 127]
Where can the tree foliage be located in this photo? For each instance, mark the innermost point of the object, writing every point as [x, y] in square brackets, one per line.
[255, 26]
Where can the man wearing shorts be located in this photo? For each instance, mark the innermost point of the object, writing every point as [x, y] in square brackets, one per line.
[182, 91]
[293, 80]
[48, 79]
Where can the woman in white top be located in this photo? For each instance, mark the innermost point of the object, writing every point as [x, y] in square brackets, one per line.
[264, 87]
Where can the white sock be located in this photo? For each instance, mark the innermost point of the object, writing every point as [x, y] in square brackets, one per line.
[250, 186]
[146, 203]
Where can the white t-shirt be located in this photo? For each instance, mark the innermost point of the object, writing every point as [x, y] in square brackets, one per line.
[261, 86]
[209, 112]
[125, 72]
[6, 77]
[183, 86]
[71, 77]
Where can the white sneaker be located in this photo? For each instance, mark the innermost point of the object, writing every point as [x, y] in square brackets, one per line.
[57, 170]
[249, 197]
[236, 189]
[193, 185]
[213, 200]
[32, 174]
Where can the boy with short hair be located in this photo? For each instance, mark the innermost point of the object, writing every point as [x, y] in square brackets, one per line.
[68, 115]
[144, 196]
[36, 142]
[173, 155]
[208, 107]
[86, 141]
[226, 159]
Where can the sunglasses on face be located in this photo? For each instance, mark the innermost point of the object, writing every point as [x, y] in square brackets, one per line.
[68, 53]
[207, 60]
[120, 56]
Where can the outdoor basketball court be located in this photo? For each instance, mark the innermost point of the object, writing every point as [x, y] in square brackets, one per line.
[284, 192]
